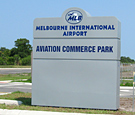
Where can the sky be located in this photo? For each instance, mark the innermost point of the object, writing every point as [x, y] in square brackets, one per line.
[17, 16]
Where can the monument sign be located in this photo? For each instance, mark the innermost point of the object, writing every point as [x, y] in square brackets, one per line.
[76, 61]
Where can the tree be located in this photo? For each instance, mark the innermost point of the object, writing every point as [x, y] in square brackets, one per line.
[4, 54]
[15, 56]
[23, 47]
[17, 59]
[2, 49]
[127, 60]
[10, 61]
[1, 61]
[13, 52]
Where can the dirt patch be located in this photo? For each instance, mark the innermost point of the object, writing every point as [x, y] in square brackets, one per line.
[126, 104]
[128, 74]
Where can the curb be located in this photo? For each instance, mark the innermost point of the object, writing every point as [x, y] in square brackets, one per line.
[125, 87]
[5, 93]
[7, 81]
[22, 83]
[10, 102]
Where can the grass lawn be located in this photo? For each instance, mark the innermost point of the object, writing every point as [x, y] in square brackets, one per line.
[15, 77]
[26, 99]
[126, 83]
[14, 66]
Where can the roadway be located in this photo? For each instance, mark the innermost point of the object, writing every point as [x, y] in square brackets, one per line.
[6, 86]
[126, 91]
[15, 86]
[14, 70]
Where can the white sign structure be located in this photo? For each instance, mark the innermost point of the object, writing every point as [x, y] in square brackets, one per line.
[76, 61]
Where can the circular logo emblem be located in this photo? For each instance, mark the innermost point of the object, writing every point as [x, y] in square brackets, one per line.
[74, 17]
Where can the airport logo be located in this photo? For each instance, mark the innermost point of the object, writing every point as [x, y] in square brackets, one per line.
[74, 17]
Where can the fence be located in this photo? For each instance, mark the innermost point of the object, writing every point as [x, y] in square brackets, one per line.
[126, 73]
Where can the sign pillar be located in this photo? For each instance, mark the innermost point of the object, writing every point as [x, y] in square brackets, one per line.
[133, 90]
[71, 55]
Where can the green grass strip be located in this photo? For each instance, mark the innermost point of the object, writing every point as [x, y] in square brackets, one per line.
[15, 77]
[14, 66]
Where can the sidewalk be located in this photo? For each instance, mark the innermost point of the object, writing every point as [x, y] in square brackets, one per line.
[26, 112]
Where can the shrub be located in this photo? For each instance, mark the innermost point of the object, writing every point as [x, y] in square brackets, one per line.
[1, 61]
[10, 61]
[26, 60]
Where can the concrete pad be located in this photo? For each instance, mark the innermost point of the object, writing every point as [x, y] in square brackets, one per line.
[10, 102]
